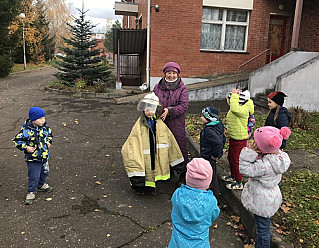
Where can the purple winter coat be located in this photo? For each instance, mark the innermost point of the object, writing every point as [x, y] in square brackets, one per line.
[176, 100]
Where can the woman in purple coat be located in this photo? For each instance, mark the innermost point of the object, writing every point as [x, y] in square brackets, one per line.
[173, 96]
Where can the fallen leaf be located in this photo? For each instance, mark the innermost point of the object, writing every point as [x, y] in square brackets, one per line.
[98, 182]
[64, 124]
[316, 222]
[108, 235]
[22, 232]
[215, 226]
[76, 122]
[96, 210]
[107, 155]
[248, 246]
[72, 198]
[48, 199]
[104, 196]
[129, 206]
[300, 240]
[285, 208]
[228, 223]
[235, 218]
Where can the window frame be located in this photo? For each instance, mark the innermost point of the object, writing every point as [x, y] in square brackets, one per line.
[225, 23]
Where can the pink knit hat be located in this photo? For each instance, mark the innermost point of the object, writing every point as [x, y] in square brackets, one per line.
[172, 66]
[199, 173]
[269, 139]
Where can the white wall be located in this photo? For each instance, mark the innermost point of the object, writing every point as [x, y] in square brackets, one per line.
[301, 85]
[265, 77]
[155, 80]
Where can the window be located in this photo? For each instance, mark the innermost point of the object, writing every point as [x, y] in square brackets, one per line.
[224, 30]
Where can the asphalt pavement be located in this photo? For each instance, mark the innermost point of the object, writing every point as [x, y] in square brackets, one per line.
[92, 204]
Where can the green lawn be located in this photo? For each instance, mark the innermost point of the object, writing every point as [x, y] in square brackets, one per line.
[30, 66]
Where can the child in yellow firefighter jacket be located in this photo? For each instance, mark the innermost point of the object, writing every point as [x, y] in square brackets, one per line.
[150, 149]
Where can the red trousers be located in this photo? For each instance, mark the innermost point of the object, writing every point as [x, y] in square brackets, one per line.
[235, 147]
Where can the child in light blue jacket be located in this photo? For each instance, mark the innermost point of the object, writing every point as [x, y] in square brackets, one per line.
[194, 207]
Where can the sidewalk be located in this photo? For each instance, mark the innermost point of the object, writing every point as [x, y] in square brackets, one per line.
[232, 197]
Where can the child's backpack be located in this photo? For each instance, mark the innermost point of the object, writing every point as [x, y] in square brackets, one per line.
[251, 125]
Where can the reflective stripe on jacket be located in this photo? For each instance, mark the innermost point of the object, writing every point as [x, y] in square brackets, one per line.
[136, 152]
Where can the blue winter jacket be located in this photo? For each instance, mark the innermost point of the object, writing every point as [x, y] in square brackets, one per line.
[193, 212]
[283, 119]
[34, 136]
[212, 140]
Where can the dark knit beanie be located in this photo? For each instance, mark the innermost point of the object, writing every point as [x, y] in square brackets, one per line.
[36, 113]
[210, 113]
[278, 97]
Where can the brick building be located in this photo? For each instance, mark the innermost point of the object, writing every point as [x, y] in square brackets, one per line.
[209, 37]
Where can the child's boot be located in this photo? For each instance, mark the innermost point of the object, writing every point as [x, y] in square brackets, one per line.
[29, 198]
[45, 188]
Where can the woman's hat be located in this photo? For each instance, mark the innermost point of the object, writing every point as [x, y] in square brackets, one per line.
[172, 66]
[278, 97]
[36, 113]
[210, 113]
[199, 173]
[269, 139]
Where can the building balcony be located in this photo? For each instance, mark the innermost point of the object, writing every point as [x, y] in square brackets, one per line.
[126, 9]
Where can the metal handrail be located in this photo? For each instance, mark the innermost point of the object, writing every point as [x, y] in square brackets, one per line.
[248, 61]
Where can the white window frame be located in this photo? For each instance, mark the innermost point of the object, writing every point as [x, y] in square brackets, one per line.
[225, 23]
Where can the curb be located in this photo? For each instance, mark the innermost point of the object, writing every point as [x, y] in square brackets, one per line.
[233, 198]
[30, 71]
[110, 96]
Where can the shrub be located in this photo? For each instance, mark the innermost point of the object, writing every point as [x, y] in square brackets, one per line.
[299, 118]
[6, 65]
[79, 83]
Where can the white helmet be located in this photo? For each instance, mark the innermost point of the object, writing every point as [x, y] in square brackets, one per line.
[149, 101]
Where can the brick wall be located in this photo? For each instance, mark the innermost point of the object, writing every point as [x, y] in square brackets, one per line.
[175, 36]
[309, 34]
[176, 30]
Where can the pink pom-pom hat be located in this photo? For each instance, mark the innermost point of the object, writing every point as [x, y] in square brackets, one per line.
[269, 139]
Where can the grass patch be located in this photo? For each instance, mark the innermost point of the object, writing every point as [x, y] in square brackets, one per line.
[300, 139]
[30, 66]
[299, 213]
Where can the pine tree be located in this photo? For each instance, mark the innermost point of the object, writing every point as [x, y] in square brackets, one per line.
[81, 60]
[9, 11]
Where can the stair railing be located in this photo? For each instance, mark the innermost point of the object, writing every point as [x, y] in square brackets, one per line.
[248, 61]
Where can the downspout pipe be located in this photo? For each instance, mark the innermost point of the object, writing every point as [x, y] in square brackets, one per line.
[296, 27]
[148, 35]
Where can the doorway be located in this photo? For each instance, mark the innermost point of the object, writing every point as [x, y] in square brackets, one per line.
[276, 36]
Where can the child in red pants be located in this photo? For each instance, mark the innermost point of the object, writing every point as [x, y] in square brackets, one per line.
[237, 120]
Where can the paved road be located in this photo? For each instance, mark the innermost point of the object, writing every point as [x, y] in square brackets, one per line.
[92, 204]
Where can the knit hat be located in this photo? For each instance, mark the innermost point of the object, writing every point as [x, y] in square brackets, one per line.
[278, 97]
[36, 113]
[199, 173]
[210, 113]
[244, 96]
[269, 139]
[172, 66]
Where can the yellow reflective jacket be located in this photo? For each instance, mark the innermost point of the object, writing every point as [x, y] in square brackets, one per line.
[237, 118]
[137, 156]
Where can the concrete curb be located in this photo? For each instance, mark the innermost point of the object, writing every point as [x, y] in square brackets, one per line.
[233, 197]
[111, 95]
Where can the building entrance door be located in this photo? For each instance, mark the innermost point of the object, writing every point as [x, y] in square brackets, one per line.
[276, 36]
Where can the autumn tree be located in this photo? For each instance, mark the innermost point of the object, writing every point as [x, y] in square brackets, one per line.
[59, 14]
[81, 60]
[9, 11]
[108, 43]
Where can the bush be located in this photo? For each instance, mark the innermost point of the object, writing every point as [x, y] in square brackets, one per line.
[6, 65]
[299, 118]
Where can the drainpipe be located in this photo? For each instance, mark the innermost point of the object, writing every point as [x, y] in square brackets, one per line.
[148, 34]
[296, 27]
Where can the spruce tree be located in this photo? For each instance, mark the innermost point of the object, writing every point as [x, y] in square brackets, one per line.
[81, 60]
[9, 11]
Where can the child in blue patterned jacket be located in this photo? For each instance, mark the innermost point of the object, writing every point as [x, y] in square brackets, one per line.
[194, 207]
[35, 139]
